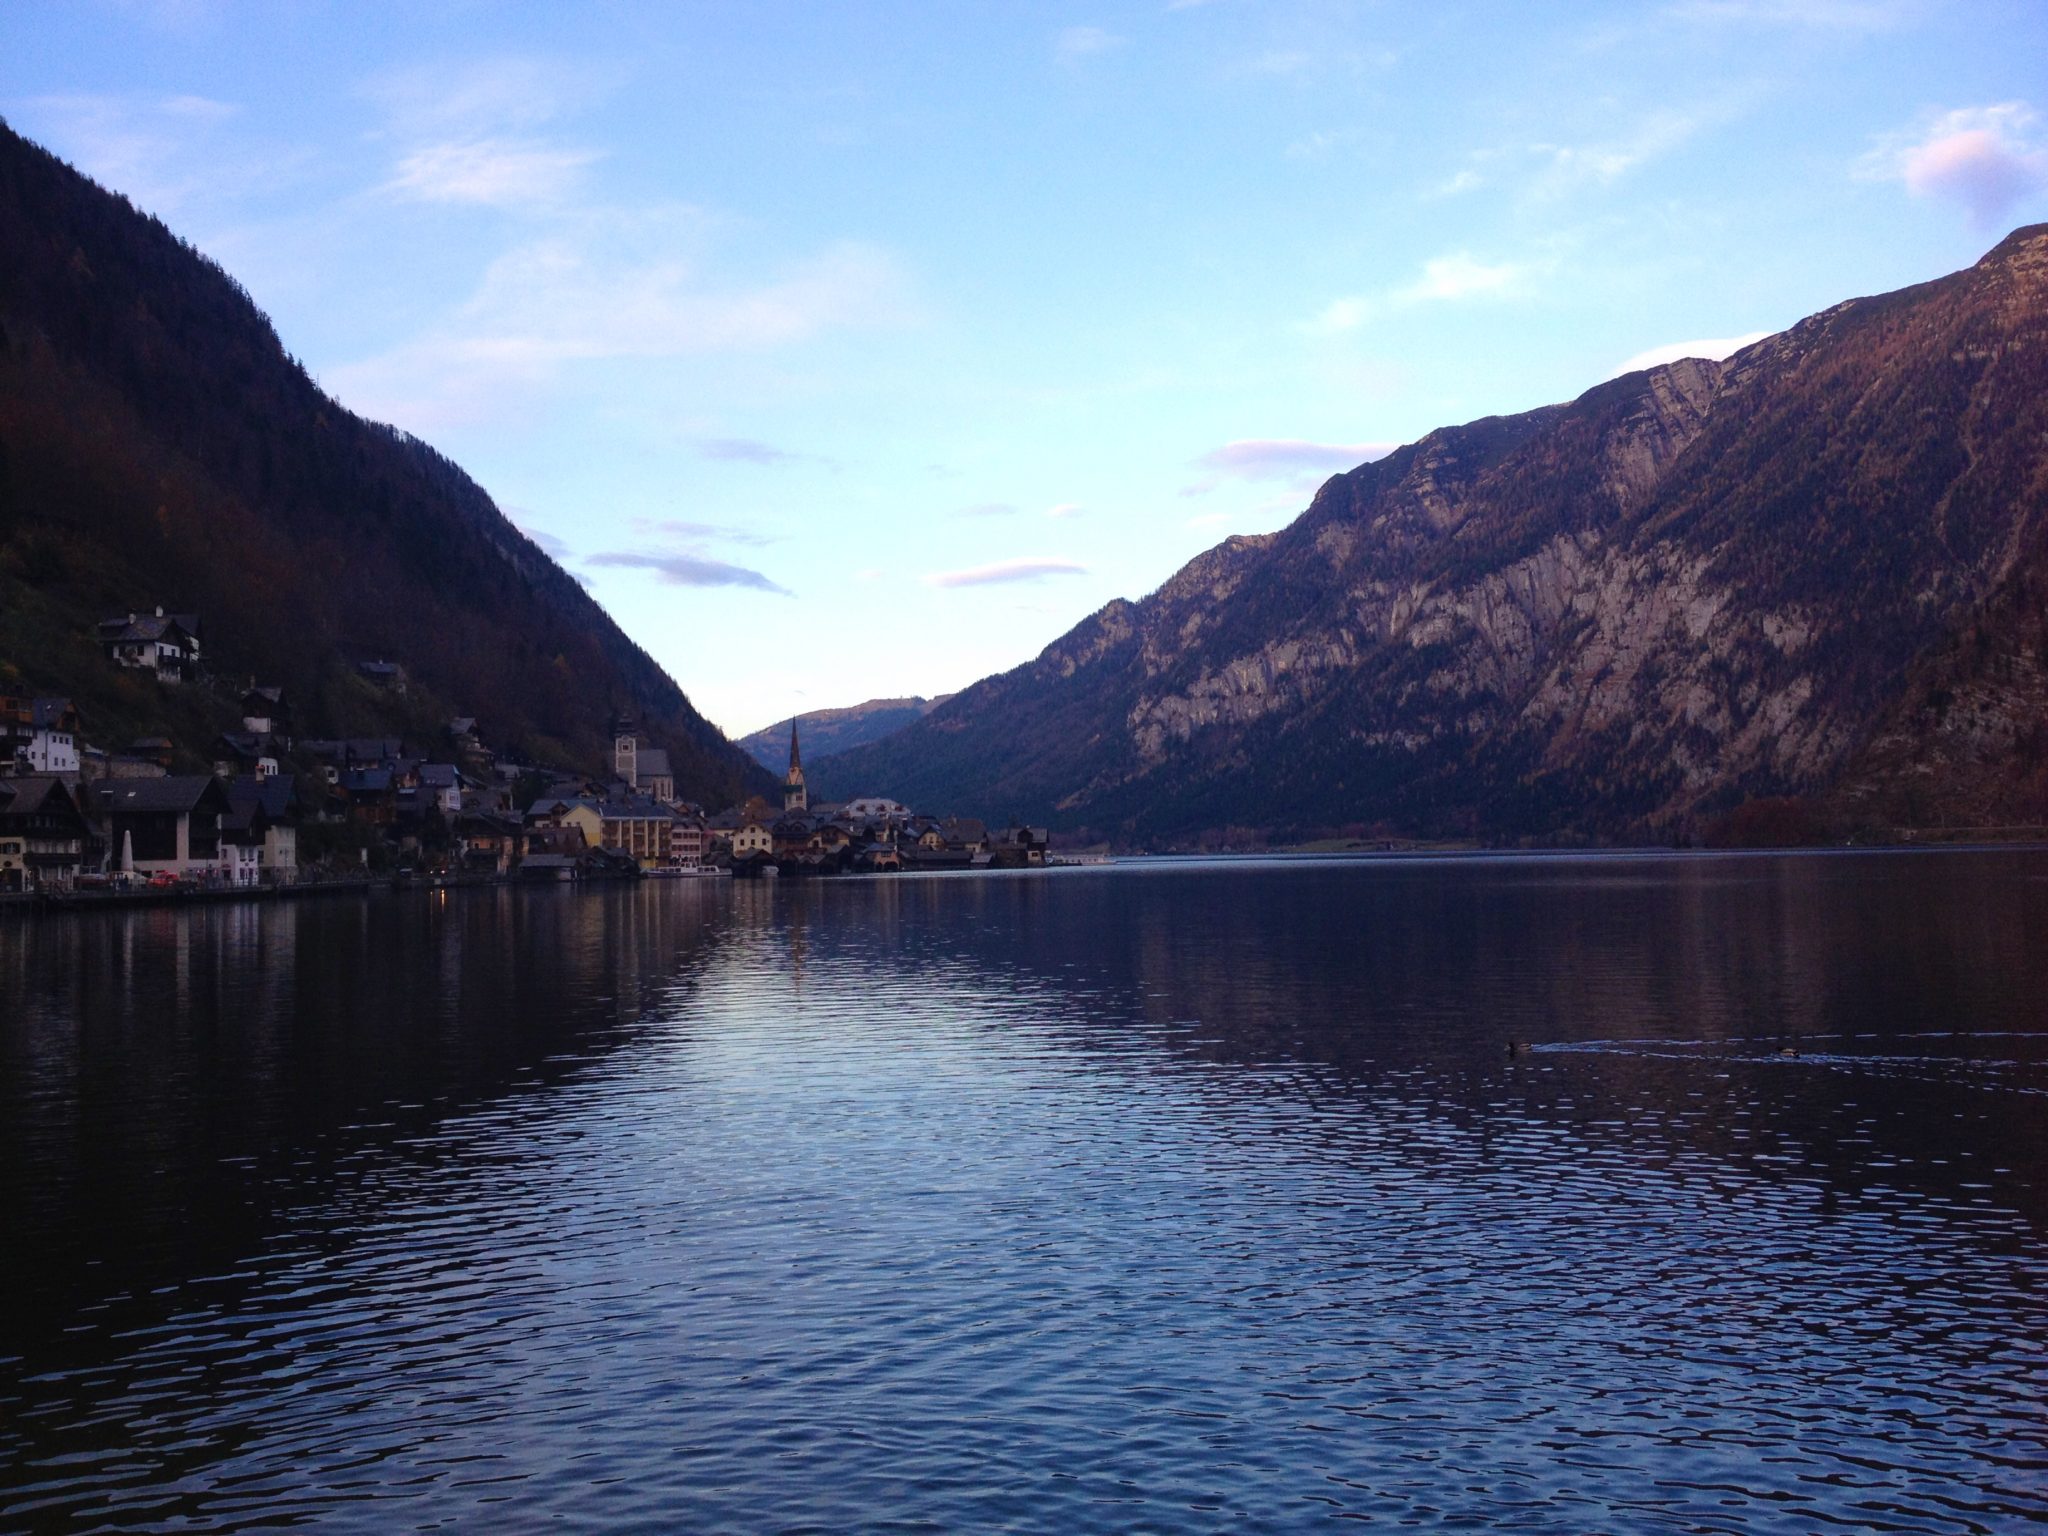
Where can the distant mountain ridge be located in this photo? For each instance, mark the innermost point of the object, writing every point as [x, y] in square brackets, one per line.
[159, 446]
[1613, 618]
[823, 732]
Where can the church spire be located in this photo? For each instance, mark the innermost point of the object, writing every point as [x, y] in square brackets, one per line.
[794, 796]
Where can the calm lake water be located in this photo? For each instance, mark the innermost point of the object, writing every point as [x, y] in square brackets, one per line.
[1154, 1198]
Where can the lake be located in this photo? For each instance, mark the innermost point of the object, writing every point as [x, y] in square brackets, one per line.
[1546, 1194]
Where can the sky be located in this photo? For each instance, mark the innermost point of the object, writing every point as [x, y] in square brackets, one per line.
[860, 350]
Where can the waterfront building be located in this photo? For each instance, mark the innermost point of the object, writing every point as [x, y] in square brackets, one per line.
[171, 825]
[45, 840]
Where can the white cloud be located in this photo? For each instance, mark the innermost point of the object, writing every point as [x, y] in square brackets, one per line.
[493, 172]
[1986, 158]
[1444, 279]
[1065, 509]
[1006, 571]
[1077, 43]
[1346, 314]
[1714, 348]
[1461, 276]
[987, 509]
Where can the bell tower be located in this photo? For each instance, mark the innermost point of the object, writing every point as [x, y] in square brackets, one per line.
[794, 796]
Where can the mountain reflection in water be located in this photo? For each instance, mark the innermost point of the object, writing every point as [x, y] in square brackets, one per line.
[1645, 1193]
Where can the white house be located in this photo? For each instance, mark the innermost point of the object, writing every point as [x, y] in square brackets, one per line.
[53, 737]
[164, 643]
[875, 808]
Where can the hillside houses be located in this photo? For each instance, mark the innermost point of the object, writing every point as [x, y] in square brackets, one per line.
[274, 808]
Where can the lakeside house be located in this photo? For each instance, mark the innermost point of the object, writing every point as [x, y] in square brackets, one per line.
[46, 842]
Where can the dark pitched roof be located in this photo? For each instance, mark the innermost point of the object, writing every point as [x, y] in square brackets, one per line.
[174, 792]
[33, 792]
[277, 796]
[620, 807]
[48, 714]
[653, 763]
[149, 626]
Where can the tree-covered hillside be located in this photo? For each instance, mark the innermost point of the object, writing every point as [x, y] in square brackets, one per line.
[159, 446]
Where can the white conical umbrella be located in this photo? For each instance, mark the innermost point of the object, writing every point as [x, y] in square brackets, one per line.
[128, 852]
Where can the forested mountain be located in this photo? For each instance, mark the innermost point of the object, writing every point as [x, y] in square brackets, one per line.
[159, 446]
[825, 731]
[1817, 569]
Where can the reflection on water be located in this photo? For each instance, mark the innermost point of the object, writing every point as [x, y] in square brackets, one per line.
[1547, 1195]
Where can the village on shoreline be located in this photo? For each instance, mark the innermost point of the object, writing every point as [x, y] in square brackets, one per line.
[278, 812]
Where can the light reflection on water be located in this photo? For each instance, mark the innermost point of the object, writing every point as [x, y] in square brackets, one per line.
[1173, 1197]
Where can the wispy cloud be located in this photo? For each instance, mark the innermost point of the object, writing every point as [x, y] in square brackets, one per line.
[1004, 571]
[1077, 43]
[681, 528]
[1986, 158]
[166, 153]
[1065, 509]
[746, 450]
[987, 509]
[490, 172]
[1821, 15]
[1280, 458]
[555, 549]
[594, 291]
[1714, 348]
[684, 569]
[1281, 61]
[483, 97]
[1467, 180]
[1563, 167]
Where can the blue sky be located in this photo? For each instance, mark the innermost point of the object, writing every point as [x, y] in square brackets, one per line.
[850, 350]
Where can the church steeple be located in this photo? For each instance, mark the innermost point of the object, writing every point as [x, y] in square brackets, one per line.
[794, 796]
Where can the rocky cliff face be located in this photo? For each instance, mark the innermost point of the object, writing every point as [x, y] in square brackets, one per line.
[1691, 585]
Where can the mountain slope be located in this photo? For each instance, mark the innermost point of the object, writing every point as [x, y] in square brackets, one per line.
[825, 731]
[1610, 618]
[158, 446]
